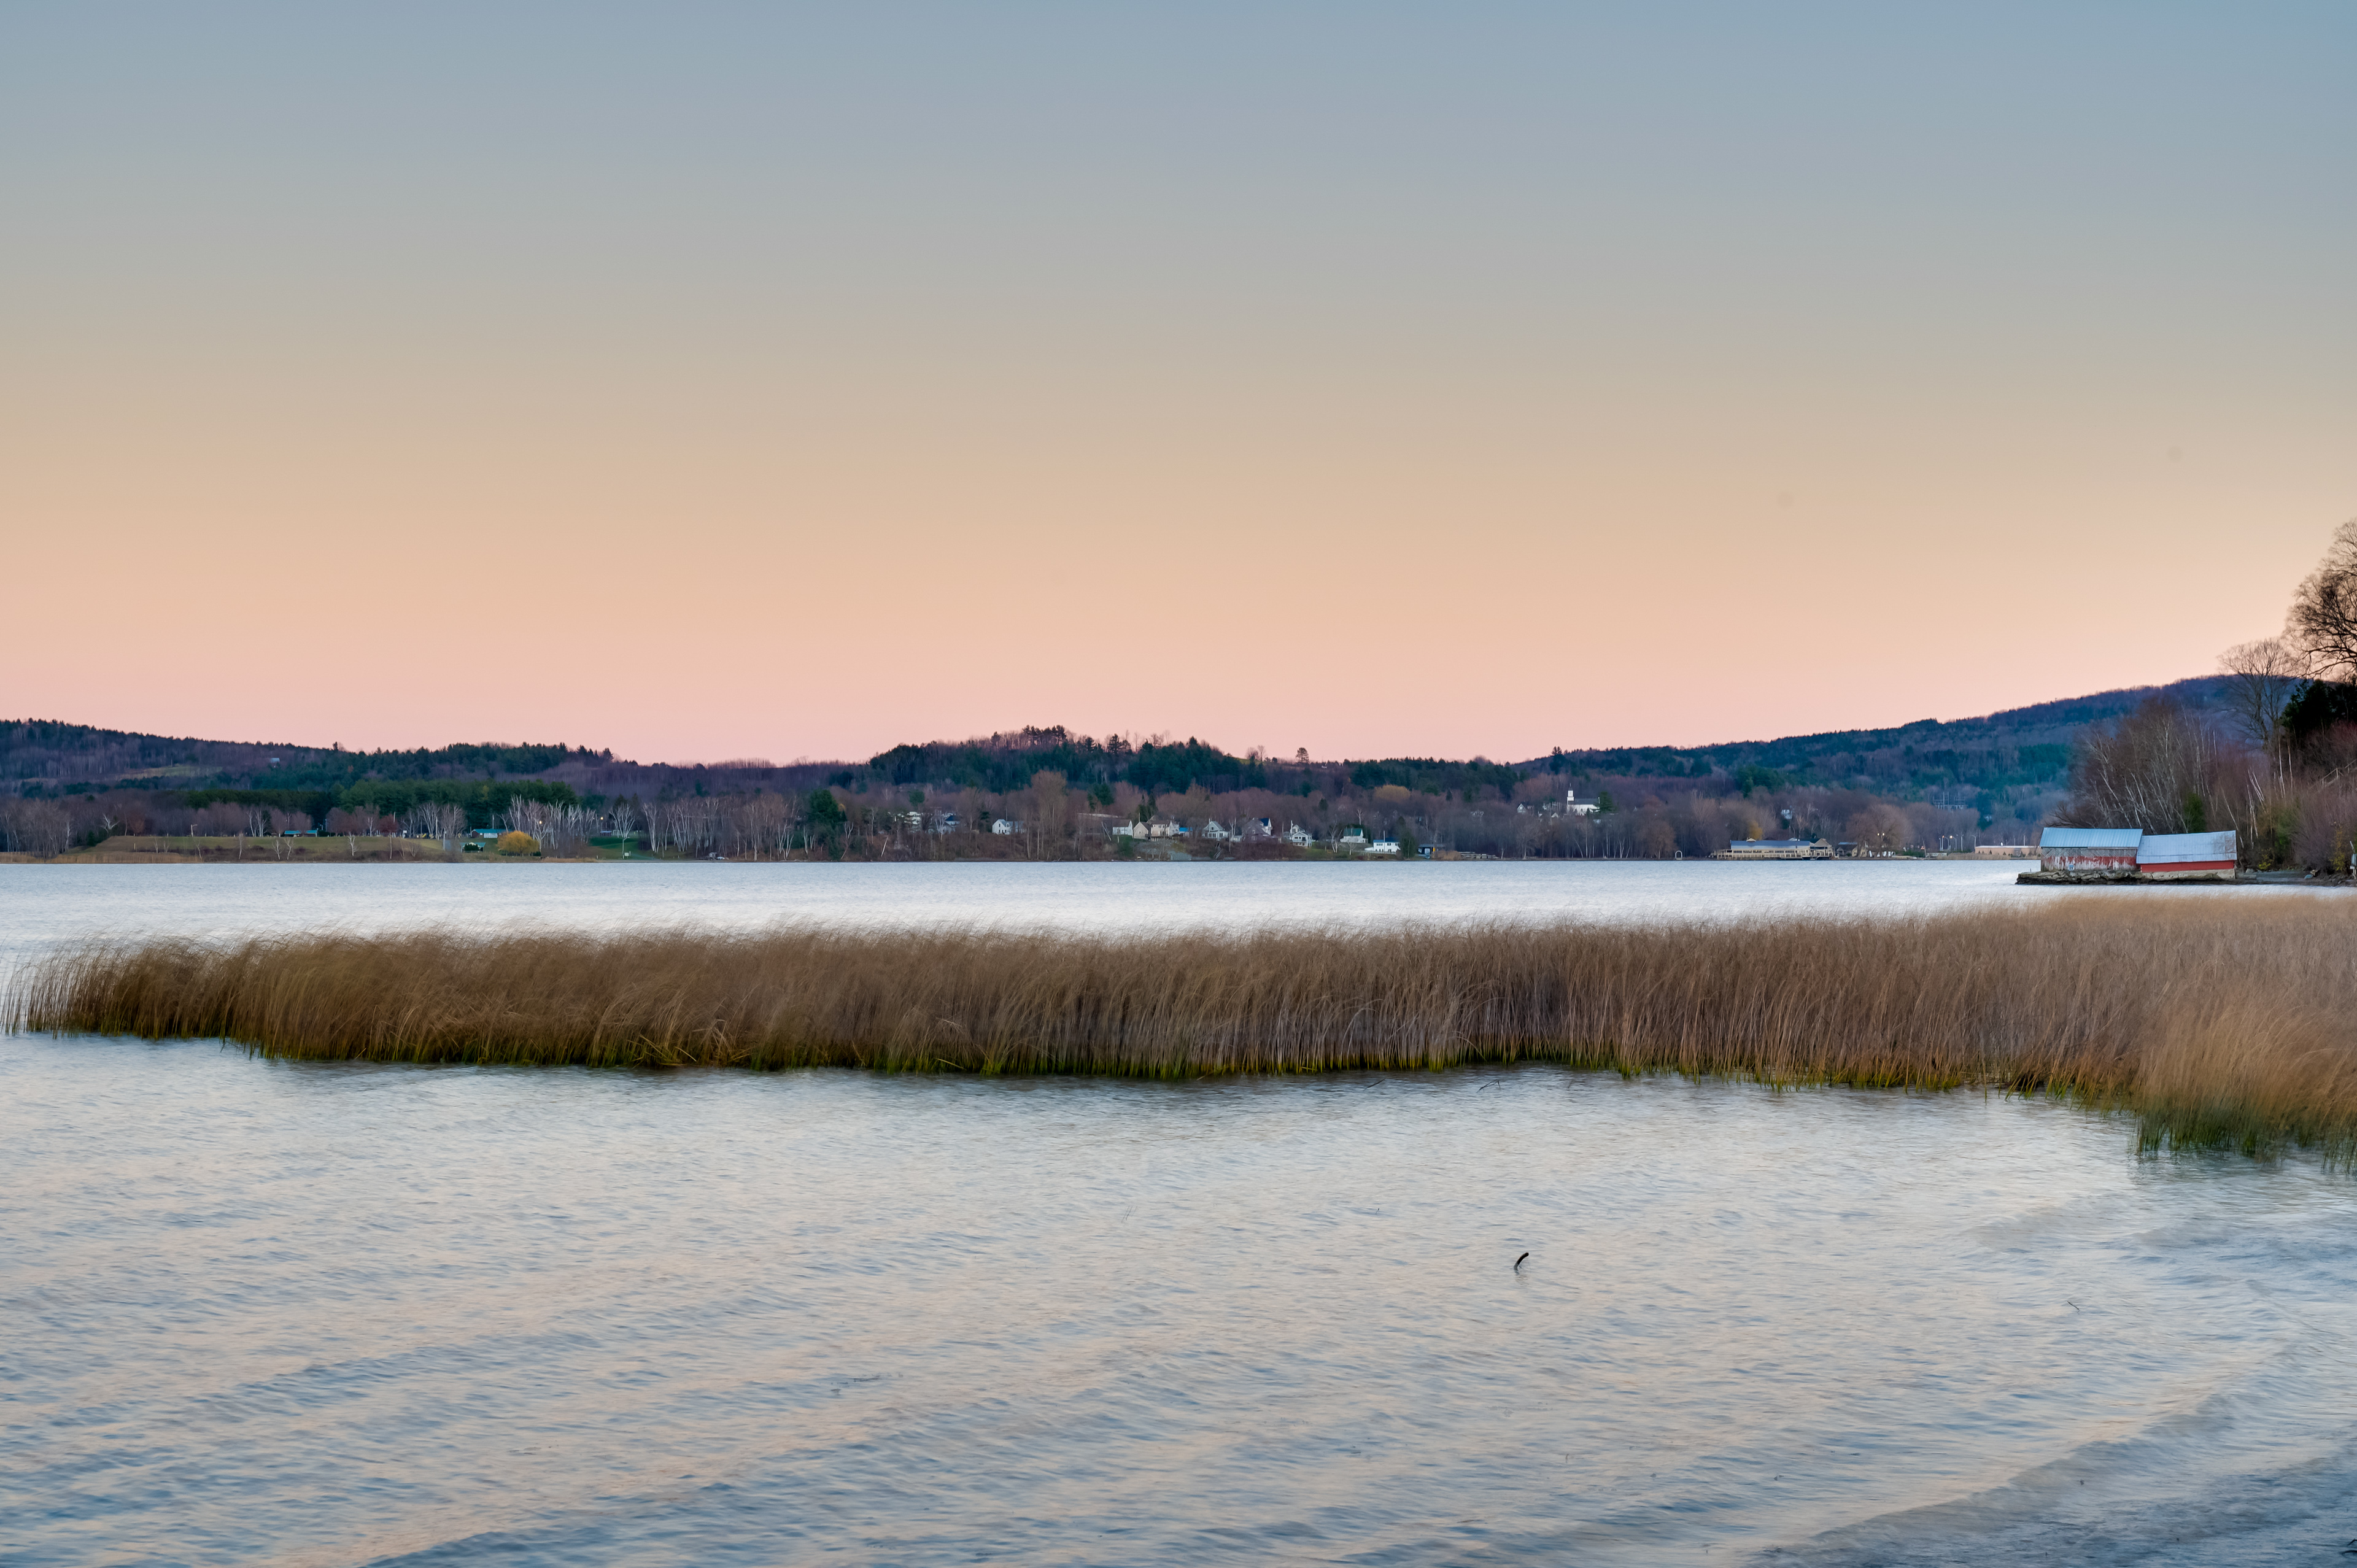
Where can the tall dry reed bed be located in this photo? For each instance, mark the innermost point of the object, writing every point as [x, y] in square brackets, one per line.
[2221, 1020]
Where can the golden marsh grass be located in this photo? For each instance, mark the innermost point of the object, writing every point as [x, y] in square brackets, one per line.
[2221, 1020]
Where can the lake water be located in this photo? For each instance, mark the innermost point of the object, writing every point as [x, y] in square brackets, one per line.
[256, 1312]
[39, 904]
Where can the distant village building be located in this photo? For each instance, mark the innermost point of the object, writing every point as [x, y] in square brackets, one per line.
[1350, 838]
[1004, 828]
[1215, 833]
[2005, 852]
[1578, 807]
[1383, 846]
[1299, 837]
[1776, 849]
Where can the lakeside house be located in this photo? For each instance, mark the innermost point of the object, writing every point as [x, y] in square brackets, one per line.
[1215, 833]
[2159, 857]
[1005, 829]
[1352, 837]
[2005, 852]
[1299, 837]
[1776, 849]
[1383, 846]
[1578, 807]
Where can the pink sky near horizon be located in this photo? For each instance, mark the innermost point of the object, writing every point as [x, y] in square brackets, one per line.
[794, 385]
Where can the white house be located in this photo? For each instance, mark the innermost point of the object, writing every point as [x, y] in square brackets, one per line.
[1350, 838]
[1004, 828]
[1216, 833]
[1575, 806]
[1299, 837]
[1383, 846]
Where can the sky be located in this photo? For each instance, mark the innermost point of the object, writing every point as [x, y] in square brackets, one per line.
[711, 381]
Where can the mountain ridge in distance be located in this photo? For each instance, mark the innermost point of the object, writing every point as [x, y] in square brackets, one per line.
[2008, 749]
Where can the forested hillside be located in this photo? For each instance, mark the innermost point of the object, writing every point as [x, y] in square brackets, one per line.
[2019, 747]
[43, 753]
[1929, 784]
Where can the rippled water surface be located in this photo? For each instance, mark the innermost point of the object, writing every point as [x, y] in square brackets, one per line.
[297, 1313]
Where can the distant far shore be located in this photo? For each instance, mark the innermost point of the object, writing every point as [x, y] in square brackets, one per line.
[330, 848]
[325, 849]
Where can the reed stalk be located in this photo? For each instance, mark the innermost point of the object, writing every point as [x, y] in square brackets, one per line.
[2221, 1022]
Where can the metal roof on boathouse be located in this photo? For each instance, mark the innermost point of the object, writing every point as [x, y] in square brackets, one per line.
[2133, 849]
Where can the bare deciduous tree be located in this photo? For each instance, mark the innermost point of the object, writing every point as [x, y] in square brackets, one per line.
[562, 831]
[35, 827]
[2150, 770]
[440, 819]
[2263, 674]
[1047, 810]
[2323, 618]
[1879, 828]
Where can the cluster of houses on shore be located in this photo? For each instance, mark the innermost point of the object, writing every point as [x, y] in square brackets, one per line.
[1256, 828]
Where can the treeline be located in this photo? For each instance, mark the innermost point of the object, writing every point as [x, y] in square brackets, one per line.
[2002, 754]
[1052, 818]
[1009, 760]
[485, 802]
[338, 769]
[45, 826]
[40, 756]
[1222, 809]
[2007, 768]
